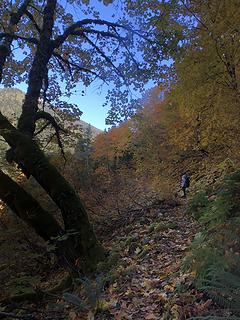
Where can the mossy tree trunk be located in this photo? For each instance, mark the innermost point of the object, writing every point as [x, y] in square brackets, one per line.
[44, 224]
[28, 209]
[32, 160]
[77, 225]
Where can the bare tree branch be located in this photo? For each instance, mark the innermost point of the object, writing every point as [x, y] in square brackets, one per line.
[195, 16]
[59, 62]
[82, 31]
[122, 40]
[16, 37]
[76, 66]
[42, 129]
[108, 60]
[31, 17]
[47, 116]
[79, 24]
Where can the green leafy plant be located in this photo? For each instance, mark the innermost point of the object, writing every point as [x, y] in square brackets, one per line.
[227, 166]
[197, 204]
[224, 289]
[214, 252]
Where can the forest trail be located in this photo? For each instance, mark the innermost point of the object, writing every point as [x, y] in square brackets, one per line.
[142, 278]
[152, 244]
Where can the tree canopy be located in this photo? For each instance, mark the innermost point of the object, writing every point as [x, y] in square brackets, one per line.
[77, 46]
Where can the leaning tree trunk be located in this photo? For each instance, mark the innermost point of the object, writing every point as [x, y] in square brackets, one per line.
[33, 161]
[28, 209]
[85, 244]
[43, 223]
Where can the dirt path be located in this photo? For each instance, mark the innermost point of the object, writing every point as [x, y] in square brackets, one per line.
[152, 245]
[142, 276]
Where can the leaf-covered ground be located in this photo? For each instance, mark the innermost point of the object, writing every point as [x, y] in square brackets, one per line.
[147, 281]
[142, 278]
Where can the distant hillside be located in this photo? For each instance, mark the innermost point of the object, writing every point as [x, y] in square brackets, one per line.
[10, 105]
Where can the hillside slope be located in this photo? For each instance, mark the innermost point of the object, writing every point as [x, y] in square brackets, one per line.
[10, 105]
[11, 101]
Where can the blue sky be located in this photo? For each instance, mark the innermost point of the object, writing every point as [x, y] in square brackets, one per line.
[91, 102]
[93, 97]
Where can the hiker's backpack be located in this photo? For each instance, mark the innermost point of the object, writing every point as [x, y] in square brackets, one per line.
[187, 182]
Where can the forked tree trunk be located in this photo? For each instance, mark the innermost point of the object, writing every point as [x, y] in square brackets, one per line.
[28, 155]
[85, 244]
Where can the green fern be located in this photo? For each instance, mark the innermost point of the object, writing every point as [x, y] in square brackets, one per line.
[197, 204]
[223, 288]
[213, 252]
[204, 255]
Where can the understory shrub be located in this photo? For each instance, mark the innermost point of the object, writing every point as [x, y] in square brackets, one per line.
[214, 253]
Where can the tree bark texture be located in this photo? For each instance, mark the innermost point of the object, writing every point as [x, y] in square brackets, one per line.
[27, 152]
[33, 161]
[28, 209]
[38, 72]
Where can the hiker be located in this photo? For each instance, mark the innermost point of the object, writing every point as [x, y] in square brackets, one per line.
[185, 183]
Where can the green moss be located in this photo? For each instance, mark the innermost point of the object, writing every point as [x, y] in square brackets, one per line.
[161, 226]
[143, 253]
[109, 262]
[172, 225]
[130, 239]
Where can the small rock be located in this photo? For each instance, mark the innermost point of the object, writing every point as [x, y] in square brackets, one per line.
[146, 241]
